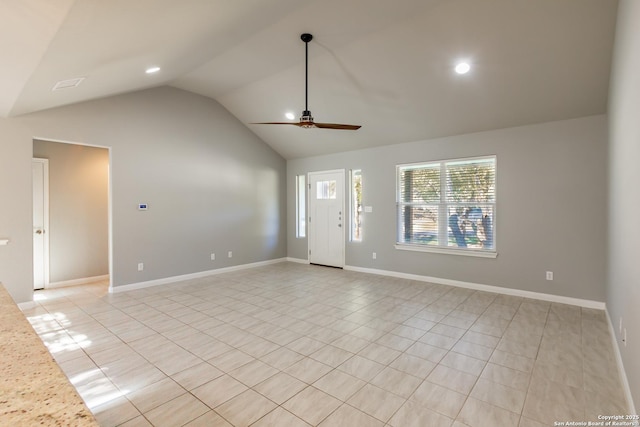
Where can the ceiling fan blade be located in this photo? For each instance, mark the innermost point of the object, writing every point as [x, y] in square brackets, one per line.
[309, 124]
[278, 123]
[336, 126]
[306, 120]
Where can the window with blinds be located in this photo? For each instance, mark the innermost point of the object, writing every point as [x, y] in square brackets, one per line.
[448, 204]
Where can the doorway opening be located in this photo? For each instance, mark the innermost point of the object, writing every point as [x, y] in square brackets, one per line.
[72, 235]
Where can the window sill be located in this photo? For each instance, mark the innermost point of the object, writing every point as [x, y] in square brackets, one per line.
[467, 252]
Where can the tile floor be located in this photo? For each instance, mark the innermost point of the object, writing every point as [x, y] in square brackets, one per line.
[298, 345]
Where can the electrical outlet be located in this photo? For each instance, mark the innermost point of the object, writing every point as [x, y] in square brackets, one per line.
[624, 337]
[140, 266]
[374, 255]
[549, 275]
[230, 254]
[213, 257]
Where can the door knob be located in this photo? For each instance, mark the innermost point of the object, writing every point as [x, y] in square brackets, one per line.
[39, 231]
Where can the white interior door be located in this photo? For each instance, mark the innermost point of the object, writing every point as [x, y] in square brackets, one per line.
[40, 173]
[326, 218]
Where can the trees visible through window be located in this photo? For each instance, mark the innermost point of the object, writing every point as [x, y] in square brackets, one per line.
[448, 204]
[356, 205]
[301, 213]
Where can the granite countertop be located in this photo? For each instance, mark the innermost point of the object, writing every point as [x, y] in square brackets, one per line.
[33, 389]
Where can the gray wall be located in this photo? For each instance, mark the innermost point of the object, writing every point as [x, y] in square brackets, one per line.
[211, 185]
[623, 293]
[551, 207]
[78, 209]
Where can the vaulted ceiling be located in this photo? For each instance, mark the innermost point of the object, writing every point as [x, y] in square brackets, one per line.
[386, 65]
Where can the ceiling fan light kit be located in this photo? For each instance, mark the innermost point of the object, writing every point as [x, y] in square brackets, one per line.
[306, 120]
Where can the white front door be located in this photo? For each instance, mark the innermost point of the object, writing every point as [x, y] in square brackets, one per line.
[40, 174]
[326, 218]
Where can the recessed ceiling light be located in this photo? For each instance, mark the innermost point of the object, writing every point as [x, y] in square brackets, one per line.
[152, 70]
[290, 115]
[462, 68]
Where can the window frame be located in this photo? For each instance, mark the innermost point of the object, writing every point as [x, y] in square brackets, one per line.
[301, 209]
[353, 206]
[443, 206]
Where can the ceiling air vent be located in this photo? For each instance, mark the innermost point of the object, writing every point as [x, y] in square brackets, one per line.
[68, 84]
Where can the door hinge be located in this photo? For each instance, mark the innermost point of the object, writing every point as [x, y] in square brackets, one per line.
[309, 251]
[309, 220]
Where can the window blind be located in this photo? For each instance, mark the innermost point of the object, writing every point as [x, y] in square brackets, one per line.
[449, 203]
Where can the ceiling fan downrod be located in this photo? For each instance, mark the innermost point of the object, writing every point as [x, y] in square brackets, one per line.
[306, 114]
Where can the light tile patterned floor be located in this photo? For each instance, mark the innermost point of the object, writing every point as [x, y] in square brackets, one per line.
[297, 345]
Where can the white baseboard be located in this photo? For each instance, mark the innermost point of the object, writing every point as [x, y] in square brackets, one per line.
[75, 282]
[468, 285]
[198, 275]
[480, 287]
[298, 260]
[621, 371]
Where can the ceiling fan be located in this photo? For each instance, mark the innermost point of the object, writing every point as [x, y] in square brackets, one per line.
[306, 120]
